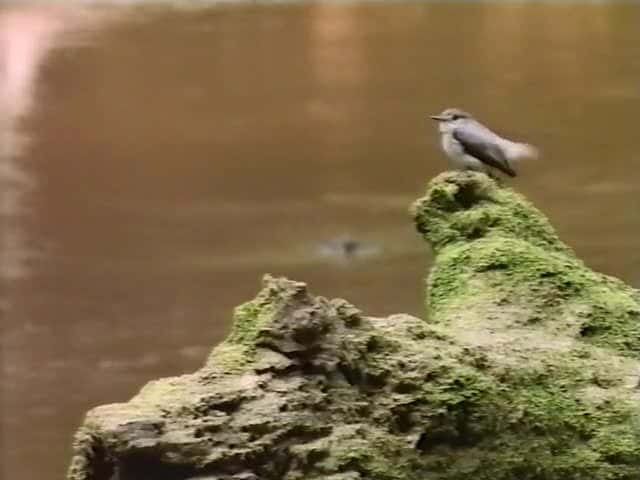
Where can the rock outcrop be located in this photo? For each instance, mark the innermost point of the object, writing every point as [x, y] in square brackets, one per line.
[526, 368]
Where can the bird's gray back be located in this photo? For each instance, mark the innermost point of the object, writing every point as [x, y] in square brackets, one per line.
[473, 129]
[483, 144]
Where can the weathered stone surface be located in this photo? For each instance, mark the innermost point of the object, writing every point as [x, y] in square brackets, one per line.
[526, 368]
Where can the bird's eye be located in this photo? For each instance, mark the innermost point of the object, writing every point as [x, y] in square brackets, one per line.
[455, 116]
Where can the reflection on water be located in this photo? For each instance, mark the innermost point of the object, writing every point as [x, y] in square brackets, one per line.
[176, 155]
[25, 37]
[27, 34]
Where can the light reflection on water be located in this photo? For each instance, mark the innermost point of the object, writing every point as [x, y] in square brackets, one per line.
[176, 155]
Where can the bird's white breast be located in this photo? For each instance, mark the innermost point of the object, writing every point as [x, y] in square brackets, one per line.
[457, 155]
[451, 146]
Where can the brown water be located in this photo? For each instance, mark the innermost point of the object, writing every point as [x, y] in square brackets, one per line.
[155, 162]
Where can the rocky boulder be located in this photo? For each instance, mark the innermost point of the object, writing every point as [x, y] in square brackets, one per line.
[526, 368]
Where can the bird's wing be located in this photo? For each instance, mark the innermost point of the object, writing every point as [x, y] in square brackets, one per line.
[480, 143]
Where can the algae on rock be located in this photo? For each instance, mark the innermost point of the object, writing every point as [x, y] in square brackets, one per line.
[525, 369]
[497, 256]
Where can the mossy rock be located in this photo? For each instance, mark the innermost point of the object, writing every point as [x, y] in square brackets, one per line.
[526, 368]
[495, 253]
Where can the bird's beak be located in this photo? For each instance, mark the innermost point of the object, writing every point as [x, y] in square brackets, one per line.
[438, 118]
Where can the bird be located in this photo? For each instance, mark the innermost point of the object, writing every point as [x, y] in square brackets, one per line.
[472, 146]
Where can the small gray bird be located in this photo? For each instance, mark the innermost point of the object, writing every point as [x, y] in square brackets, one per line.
[472, 146]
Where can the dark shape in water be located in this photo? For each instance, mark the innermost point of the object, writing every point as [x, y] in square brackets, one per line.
[345, 247]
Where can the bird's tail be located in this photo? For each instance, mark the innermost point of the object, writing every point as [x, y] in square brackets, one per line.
[521, 151]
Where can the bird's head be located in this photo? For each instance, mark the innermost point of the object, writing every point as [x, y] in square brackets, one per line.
[450, 118]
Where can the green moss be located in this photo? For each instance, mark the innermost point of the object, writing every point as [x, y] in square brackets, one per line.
[372, 454]
[250, 319]
[494, 247]
[611, 318]
[486, 421]
[557, 435]
[508, 267]
[528, 424]
[231, 358]
[514, 272]
[461, 207]
[238, 350]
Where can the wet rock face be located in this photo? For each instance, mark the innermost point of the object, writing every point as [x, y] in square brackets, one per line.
[526, 368]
